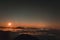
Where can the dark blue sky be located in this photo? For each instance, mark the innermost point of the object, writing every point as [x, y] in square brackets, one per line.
[30, 11]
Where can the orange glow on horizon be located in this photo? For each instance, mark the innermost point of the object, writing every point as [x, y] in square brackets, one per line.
[36, 25]
[15, 24]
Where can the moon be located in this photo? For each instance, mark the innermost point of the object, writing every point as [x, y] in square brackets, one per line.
[9, 24]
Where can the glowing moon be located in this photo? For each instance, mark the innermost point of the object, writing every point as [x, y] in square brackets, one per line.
[9, 24]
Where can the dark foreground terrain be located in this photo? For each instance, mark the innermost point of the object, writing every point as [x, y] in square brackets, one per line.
[50, 35]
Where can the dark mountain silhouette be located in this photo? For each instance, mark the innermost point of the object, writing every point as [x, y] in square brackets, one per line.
[25, 37]
[4, 35]
[19, 27]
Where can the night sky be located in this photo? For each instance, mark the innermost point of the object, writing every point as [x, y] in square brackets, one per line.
[30, 12]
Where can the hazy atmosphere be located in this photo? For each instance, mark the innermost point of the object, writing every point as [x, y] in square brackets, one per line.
[31, 12]
[29, 20]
